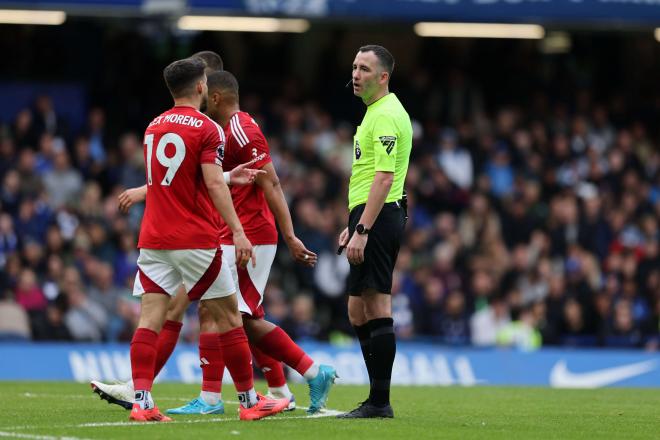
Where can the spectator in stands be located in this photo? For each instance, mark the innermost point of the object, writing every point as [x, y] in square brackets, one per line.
[8, 239]
[85, 319]
[455, 161]
[14, 321]
[31, 183]
[63, 183]
[10, 196]
[24, 133]
[623, 332]
[131, 172]
[545, 214]
[302, 325]
[486, 323]
[28, 293]
[8, 156]
[454, 323]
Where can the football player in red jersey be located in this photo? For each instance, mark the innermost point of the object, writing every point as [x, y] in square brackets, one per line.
[212, 364]
[256, 213]
[255, 206]
[179, 238]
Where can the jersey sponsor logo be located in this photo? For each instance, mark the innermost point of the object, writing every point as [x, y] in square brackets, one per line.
[358, 152]
[388, 142]
[562, 377]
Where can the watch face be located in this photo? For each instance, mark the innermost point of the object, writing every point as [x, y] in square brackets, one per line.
[359, 229]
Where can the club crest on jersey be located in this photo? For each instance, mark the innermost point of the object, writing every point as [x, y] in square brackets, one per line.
[358, 152]
[388, 142]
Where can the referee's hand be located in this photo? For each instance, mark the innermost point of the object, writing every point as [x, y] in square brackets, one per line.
[355, 249]
[343, 241]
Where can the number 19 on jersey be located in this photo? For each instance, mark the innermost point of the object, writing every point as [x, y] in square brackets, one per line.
[171, 163]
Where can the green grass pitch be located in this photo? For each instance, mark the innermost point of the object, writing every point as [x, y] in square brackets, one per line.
[46, 411]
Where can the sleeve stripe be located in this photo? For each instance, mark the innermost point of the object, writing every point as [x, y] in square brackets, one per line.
[237, 131]
[221, 132]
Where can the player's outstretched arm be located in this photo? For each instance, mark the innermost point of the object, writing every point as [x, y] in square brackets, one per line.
[131, 196]
[270, 184]
[221, 198]
[242, 175]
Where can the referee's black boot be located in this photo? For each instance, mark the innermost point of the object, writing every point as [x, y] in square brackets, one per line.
[367, 410]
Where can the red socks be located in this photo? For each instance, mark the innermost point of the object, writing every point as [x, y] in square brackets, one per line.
[143, 358]
[272, 368]
[167, 339]
[279, 345]
[237, 357]
[210, 358]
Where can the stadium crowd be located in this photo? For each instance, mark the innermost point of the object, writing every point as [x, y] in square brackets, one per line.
[528, 226]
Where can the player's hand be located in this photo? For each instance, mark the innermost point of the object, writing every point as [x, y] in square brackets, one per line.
[355, 249]
[128, 198]
[242, 175]
[244, 251]
[300, 253]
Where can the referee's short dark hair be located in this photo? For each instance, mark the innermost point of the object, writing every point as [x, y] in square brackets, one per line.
[212, 59]
[384, 56]
[182, 75]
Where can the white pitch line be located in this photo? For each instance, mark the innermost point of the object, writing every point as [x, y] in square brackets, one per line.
[322, 414]
[85, 396]
[178, 399]
[35, 436]
[327, 413]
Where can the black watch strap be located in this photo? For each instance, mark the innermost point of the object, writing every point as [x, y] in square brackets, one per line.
[361, 229]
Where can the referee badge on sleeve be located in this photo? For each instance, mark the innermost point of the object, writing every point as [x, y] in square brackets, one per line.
[358, 152]
[389, 142]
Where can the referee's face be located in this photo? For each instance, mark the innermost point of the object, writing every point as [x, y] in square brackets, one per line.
[367, 75]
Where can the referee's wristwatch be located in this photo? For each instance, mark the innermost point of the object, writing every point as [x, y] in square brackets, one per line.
[361, 229]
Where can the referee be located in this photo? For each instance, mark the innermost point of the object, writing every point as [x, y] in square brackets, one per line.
[376, 221]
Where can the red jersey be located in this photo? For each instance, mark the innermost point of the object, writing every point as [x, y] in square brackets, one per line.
[245, 141]
[179, 213]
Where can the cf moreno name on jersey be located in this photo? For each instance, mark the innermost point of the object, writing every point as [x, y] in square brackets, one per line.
[188, 120]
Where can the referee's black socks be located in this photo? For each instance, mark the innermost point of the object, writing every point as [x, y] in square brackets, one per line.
[383, 349]
[363, 333]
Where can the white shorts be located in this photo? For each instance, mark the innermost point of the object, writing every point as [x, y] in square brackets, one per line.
[251, 281]
[203, 272]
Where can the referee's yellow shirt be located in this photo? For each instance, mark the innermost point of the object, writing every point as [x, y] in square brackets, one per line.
[381, 143]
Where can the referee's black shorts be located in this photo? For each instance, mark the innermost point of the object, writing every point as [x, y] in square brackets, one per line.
[381, 251]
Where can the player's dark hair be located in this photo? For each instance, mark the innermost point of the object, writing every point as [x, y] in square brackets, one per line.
[223, 81]
[213, 60]
[182, 75]
[384, 56]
